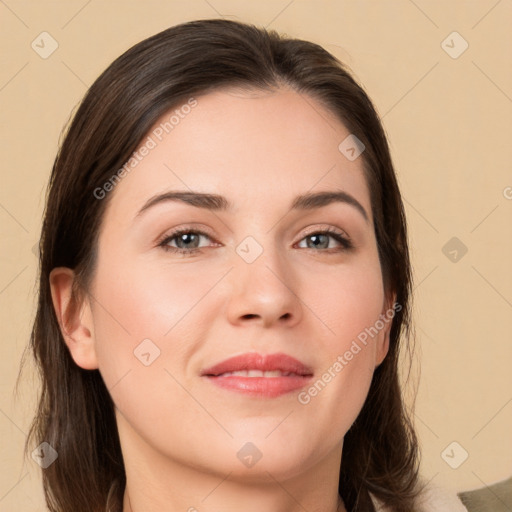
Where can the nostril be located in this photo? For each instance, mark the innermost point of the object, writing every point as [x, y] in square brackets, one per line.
[250, 315]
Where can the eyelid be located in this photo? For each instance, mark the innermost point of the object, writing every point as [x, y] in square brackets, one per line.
[193, 228]
[325, 228]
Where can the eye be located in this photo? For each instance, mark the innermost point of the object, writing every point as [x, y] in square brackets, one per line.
[187, 241]
[322, 240]
[184, 241]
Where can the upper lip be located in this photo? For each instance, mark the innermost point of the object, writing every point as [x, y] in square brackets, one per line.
[263, 362]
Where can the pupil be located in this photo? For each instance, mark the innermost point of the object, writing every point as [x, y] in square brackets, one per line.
[186, 238]
[318, 243]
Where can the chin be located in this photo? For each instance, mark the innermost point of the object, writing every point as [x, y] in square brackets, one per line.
[283, 456]
[252, 458]
[271, 467]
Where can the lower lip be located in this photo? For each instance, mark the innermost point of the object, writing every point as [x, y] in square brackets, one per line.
[261, 386]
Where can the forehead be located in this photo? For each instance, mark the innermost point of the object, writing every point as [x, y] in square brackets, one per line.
[253, 147]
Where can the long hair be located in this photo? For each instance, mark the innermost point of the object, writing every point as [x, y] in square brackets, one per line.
[75, 413]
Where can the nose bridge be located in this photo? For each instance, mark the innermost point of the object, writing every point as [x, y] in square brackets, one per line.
[262, 283]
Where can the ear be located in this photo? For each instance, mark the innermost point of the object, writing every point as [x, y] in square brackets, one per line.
[387, 314]
[75, 319]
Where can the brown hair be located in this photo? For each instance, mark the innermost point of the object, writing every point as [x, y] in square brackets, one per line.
[75, 413]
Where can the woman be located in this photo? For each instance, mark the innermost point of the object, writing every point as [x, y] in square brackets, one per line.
[225, 287]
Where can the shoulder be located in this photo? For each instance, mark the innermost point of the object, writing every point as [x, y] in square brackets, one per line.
[432, 498]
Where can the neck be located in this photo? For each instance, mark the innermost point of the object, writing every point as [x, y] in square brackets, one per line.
[127, 505]
[157, 483]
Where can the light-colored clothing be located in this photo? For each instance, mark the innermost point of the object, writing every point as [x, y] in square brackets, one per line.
[433, 498]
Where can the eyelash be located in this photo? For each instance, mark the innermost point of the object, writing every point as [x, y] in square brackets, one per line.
[346, 244]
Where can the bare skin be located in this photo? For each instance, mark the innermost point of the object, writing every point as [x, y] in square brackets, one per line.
[180, 434]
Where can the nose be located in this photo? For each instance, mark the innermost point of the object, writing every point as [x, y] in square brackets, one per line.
[264, 292]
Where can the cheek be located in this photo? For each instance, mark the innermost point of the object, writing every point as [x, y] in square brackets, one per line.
[150, 314]
[165, 307]
[141, 336]
[348, 307]
[346, 302]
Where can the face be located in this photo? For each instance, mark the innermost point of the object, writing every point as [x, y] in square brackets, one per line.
[183, 284]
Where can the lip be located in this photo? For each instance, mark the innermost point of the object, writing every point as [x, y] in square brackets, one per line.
[260, 386]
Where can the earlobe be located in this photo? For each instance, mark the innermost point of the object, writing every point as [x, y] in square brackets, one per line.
[75, 319]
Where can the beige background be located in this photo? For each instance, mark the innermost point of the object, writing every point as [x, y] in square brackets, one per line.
[449, 124]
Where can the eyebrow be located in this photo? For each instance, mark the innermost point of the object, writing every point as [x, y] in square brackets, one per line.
[217, 202]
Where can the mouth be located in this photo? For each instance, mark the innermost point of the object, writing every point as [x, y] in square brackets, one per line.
[257, 373]
[269, 375]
